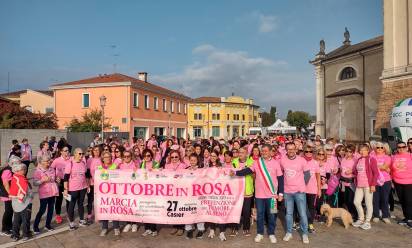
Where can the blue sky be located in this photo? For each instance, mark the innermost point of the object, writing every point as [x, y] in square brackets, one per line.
[256, 49]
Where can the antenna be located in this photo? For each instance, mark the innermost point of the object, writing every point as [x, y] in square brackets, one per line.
[114, 54]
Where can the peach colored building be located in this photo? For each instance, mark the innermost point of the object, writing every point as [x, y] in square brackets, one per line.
[133, 104]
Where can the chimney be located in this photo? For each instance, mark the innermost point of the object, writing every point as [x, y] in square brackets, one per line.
[142, 76]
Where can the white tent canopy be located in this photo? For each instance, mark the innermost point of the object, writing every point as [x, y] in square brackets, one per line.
[281, 127]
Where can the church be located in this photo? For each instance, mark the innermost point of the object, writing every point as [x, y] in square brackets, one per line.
[357, 85]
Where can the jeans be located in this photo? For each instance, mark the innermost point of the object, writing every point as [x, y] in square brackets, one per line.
[22, 219]
[77, 197]
[263, 210]
[404, 192]
[105, 224]
[381, 200]
[7, 221]
[45, 203]
[300, 200]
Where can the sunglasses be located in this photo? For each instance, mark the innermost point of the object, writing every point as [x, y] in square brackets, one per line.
[128, 156]
[380, 147]
[401, 147]
[329, 150]
[308, 152]
[174, 157]
[321, 154]
[409, 143]
[80, 153]
[147, 156]
[117, 151]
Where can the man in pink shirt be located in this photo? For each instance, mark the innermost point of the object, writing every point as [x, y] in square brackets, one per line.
[263, 193]
[295, 171]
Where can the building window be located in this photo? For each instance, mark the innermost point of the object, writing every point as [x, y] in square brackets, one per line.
[228, 131]
[86, 100]
[197, 132]
[215, 117]
[228, 117]
[243, 117]
[216, 131]
[172, 109]
[243, 131]
[180, 133]
[155, 103]
[164, 105]
[115, 129]
[178, 107]
[197, 116]
[146, 102]
[135, 100]
[235, 117]
[347, 73]
[185, 108]
[373, 126]
[255, 118]
[49, 110]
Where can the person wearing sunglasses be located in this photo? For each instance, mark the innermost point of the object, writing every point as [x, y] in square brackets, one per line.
[105, 165]
[156, 153]
[149, 164]
[118, 152]
[45, 178]
[366, 175]
[313, 187]
[59, 165]
[401, 169]
[92, 163]
[347, 179]
[323, 171]
[76, 184]
[137, 155]
[384, 186]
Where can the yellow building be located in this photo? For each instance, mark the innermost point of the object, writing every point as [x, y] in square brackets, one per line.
[222, 117]
[36, 101]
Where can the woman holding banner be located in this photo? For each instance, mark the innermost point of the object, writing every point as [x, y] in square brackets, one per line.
[268, 187]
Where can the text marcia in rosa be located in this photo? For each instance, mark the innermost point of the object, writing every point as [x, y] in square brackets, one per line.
[148, 189]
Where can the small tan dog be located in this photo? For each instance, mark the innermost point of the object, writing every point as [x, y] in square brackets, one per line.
[331, 213]
[253, 216]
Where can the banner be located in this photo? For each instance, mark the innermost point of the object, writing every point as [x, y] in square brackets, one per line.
[169, 197]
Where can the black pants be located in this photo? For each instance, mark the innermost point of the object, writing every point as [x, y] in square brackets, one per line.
[77, 197]
[381, 200]
[27, 163]
[105, 224]
[59, 201]
[22, 219]
[90, 200]
[311, 201]
[45, 203]
[151, 227]
[348, 198]
[7, 221]
[246, 213]
[222, 227]
[404, 192]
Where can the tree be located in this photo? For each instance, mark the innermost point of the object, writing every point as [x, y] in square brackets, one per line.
[90, 122]
[299, 119]
[15, 117]
[269, 118]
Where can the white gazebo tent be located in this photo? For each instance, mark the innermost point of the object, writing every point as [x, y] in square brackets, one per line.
[281, 127]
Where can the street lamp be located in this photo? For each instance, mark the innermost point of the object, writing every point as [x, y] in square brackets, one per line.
[102, 105]
[261, 121]
[340, 109]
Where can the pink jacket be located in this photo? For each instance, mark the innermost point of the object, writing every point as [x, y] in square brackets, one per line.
[49, 188]
[372, 172]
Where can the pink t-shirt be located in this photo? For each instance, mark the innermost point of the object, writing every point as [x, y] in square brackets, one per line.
[6, 176]
[362, 177]
[333, 163]
[59, 165]
[381, 160]
[402, 168]
[117, 161]
[127, 166]
[49, 188]
[158, 157]
[261, 190]
[175, 166]
[312, 186]
[293, 174]
[347, 166]
[92, 164]
[151, 143]
[77, 171]
[227, 165]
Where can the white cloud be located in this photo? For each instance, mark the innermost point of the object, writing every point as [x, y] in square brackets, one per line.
[267, 23]
[218, 72]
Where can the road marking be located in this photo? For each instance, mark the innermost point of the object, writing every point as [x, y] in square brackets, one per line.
[43, 235]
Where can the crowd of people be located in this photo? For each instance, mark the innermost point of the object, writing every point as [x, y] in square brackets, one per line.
[283, 174]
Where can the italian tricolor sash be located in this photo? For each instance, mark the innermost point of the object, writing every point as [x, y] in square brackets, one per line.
[267, 179]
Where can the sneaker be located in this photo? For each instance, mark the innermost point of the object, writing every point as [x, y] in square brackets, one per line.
[36, 231]
[211, 234]
[366, 225]
[154, 234]
[14, 238]
[273, 239]
[258, 238]
[287, 237]
[135, 227]
[127, 228]
[403, 222]
[72, 226]
[311, 228]
[59, 219]
[375, 220]
[222, 236]
[305, 239]
[180, 232]
[103, 233]
[357, 223]
[246, 233]
[146, 233]
[409, 225]
[49, 228]
[199, 234]
[26, 238]
[116, 232]
[89, 218]
[83, 223]
[386, 220]
[189, 234]
[233, 233]
[5, 233]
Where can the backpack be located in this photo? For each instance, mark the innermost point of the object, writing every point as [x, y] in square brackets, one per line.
[3, 192]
